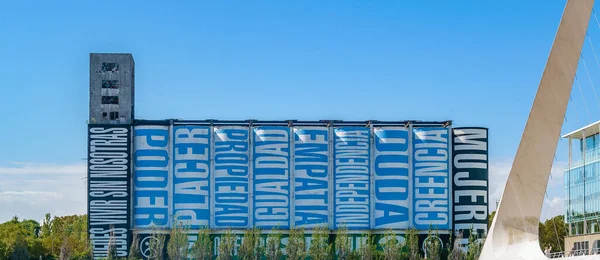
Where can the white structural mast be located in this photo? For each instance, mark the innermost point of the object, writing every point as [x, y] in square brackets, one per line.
[514, 231]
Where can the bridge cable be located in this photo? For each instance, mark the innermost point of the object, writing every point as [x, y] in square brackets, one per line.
[574, 110]
[583, 96]
[552, 219]
[577, 119]
[597, 63]
[594, 13]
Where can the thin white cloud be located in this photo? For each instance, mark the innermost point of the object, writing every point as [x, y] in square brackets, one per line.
[30, 190]
[28, 194]
[36, 168]
[498, 175]
[557, 174]
[61, 189]
[553, 207]
[554, 201]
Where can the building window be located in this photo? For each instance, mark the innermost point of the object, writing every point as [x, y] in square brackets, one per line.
[581, 248]
[577, 227]
[585, 247]
[106, 66]
[590, 142]
[110, 100]
[110, 83]
[114, 115]
[104, 114]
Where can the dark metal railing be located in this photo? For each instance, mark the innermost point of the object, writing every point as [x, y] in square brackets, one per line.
[579, 252]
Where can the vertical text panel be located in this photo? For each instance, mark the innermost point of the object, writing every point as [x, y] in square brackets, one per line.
[311, 176]
[231, 177]
[391, 167]
[470, 181]
[271, 171]
[431, 178]
[151, 176]
[352, 177]
[191, 175]
[109, 187]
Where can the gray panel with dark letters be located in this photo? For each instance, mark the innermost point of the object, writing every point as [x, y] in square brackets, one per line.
[470, 181]
[109, 188]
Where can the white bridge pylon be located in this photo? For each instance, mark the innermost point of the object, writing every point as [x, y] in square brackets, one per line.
[514, 231]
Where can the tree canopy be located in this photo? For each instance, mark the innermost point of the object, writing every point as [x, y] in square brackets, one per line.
[29, 239]
[66, 238]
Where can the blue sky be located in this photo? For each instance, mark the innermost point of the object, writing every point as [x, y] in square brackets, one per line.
[475, 62]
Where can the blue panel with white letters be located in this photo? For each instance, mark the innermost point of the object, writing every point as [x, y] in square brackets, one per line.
[191, 175]
[270, 175]
[271, 172]
[431, 171]
[231, 177]
[352, 159]
[391, 166]
[311, 176]
[151, 190]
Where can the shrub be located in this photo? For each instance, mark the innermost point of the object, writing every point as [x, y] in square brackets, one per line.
[320, 248]
[251, 248]
[203, 247]
[273, 250]
[342, 243]
[177, 248]
[227, 246]
[296, 246]
[392, 247]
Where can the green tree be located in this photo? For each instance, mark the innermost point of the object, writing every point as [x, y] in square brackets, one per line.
[456, 252]
[251, 248]
[177, 248]
[368, 248]
[112, 246]
[259, 245]
[433, 247]
[296, 246]
[19, 249]
[3, 250]
[134, 249]
[342, 243]
[392, 247]
[273, 248]
[66, 250]
[19, 238]
[475, 246]
[354, 255]
[31, 227]
[491, 219]
[320, 248]
[203, 247]
[552, 233]
[36, 247]
[412, 244]
[88, 254]
[46, 226]
[55, 231]
[46, 240]
[227, 246]
[157, 244]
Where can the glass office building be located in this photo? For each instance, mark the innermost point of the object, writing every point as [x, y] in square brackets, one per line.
[582, 190]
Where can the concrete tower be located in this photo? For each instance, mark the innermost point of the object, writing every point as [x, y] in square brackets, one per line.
[112, 85]
[109, 151]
